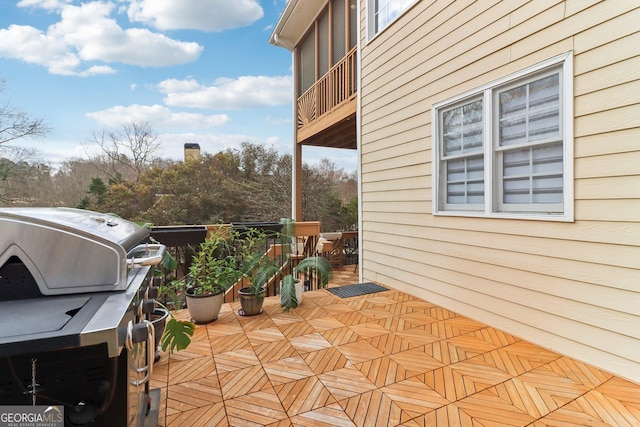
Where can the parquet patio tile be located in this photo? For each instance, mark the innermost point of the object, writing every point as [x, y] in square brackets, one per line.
[307, 314]
[309, 343]
[383, 371]
[274, 351]
[235, 359]
[340, 336]
[304, 395]
[243, 381]
[383, 359]
[389, 343]
[329, 416]
[295, 329]
[359, 351]
[261, 336]
[326, 360]
[369, 330]
[286, 370]
[261, 408]
[191, 369]
[325, 323]
[223, 344]
[416, 361]
[346, 382]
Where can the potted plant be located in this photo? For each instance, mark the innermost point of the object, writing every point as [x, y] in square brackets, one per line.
[257, 268]
[291, 288]
[174, 333]
[213, 270]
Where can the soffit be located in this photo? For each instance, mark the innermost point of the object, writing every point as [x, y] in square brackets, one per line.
[294, 22]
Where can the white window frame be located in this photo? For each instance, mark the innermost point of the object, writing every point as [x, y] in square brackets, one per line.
[493, 207]
[372, 12]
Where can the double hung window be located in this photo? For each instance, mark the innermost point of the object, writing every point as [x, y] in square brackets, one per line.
[506, 148]
[383, 12]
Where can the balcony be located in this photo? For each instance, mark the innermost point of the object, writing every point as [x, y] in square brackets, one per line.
[326, 111]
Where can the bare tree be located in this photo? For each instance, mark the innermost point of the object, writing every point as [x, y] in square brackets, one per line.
[16, 123]
[131, 147]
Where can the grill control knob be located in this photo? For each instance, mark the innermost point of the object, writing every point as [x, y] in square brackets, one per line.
[139, 333]
[152, 292]
[146, 307]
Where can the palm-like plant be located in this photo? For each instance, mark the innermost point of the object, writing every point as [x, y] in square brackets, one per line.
[317, 265]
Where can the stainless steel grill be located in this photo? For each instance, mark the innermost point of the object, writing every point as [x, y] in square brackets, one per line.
[75, 297]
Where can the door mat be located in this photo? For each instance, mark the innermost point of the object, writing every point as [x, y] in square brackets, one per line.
[356, 290]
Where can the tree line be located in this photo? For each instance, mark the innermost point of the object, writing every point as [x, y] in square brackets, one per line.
[249, 184]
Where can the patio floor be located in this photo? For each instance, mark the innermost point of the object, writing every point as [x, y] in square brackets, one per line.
[381, 359]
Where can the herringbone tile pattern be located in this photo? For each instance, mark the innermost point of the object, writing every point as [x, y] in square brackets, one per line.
[384, 359]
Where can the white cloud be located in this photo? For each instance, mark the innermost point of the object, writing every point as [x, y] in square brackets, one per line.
[157, 116]
[43, 4]
[89, 29]
[205, 15]
[88, 33]
[243, 92]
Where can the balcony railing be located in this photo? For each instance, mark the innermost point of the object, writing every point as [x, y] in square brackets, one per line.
[337, 86]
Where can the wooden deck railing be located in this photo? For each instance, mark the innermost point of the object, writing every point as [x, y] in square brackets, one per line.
[338, 85]
[183, 241]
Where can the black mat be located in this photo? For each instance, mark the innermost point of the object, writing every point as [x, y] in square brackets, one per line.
[356, 290]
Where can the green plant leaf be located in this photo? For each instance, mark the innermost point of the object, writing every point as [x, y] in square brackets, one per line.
[169, 262]
[318, 265]
[288, 298]
[177, 334]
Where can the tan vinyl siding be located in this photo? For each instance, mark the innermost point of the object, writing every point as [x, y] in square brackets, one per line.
[570, 286]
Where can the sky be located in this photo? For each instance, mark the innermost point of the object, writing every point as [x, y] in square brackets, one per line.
[198, 71]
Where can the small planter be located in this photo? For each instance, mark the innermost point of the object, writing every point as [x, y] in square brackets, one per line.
[159, 322]
[204, 308]
[251, 304]
[299, 285]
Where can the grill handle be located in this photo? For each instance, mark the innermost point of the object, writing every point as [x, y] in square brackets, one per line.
[153, 254]
[136, 335]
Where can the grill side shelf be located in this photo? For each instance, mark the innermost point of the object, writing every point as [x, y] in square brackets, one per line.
[44, 324]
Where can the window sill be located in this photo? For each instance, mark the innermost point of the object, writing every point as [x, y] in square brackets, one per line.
[508, 215]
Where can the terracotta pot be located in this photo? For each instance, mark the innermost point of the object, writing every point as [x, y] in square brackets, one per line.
[204, 308]
[251, 304]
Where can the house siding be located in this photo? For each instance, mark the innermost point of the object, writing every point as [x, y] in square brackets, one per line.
[573, 287]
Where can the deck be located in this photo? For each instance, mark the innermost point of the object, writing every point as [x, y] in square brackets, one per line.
[381, 359]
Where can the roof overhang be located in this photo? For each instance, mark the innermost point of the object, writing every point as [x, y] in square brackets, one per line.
[294, 22]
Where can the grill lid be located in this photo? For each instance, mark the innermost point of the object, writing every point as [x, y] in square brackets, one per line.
[69, 250]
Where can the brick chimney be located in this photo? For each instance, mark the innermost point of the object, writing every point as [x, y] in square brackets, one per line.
[191, 151]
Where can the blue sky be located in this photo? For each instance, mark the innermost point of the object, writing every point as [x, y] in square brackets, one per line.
[196, 70]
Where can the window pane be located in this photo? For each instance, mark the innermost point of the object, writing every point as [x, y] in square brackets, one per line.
[533, 175]
[547, 189]
[465, 180]
[544, 106]
[530, 112]
[516, 190]
[388, 10]
[462, 129]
